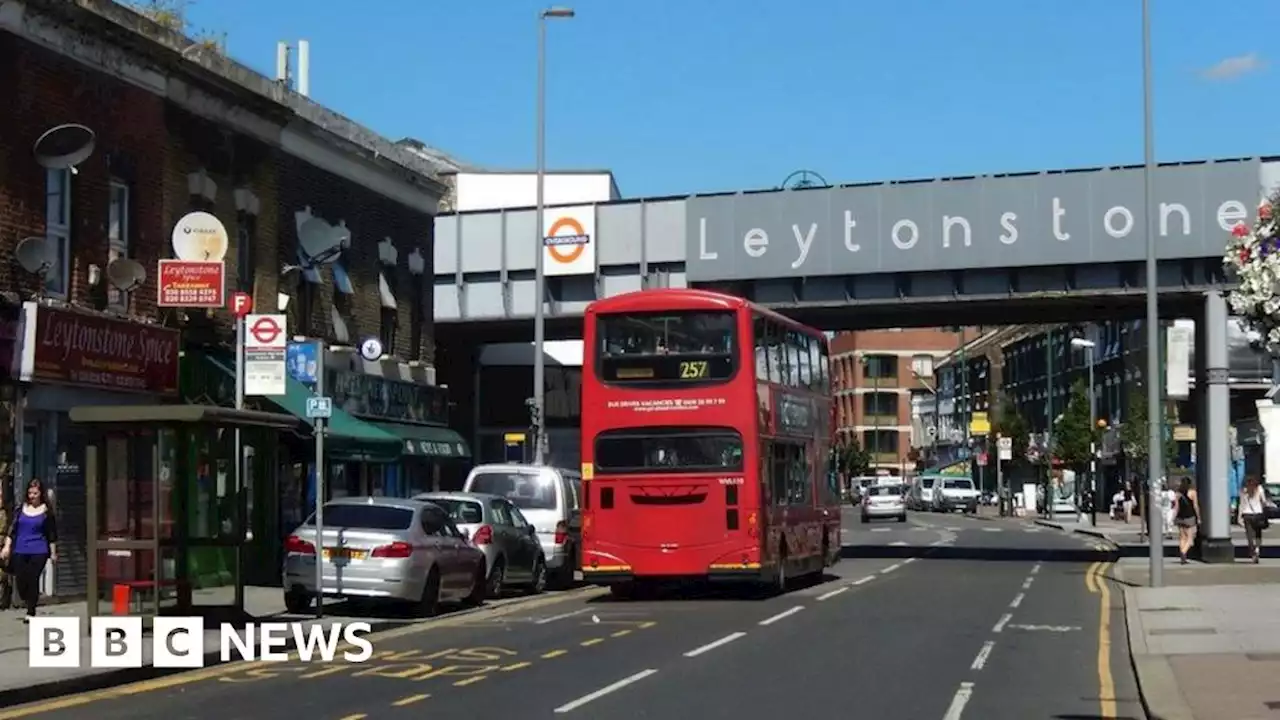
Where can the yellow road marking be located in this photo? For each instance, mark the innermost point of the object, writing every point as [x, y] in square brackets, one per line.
[1097, 582]
[592, 641]
[516, 666]
[410, 700]
[553, 654]
[470, 681]
[621, 633]
[187, 678]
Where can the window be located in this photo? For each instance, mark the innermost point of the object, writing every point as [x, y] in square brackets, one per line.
[501, 514]
[387, 329]
[879, 366]
[777, 355]
[527, 491]
[790, 482]
[664, 347]
[57, 220]
[669, 450]
[793, 358]
[517, 517]
[389, 316]
[117, 233]
[922, 366]
[957, 484]
[874, 403]
[760, 337]
[880, 441]
[364, 517]
[816, 374]
[885, 490]
[463, 511]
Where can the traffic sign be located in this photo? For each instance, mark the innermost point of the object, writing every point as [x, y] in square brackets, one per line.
[319, 407]
[266, 331]
[265, 343]
[241, 304]
[1005, 446]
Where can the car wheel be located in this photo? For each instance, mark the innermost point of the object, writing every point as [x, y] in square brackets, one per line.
[479, 587]
[297, 602]
[539, 582]
[902, 518]
[429, 603]
[497, 576]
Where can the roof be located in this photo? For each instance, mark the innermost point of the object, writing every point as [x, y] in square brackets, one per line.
[657, 299]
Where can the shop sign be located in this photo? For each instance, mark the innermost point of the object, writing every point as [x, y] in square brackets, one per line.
[377, 398]
[434, 447]
[76, 348]
[192, 284]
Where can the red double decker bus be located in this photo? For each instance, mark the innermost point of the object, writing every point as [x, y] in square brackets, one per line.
[707, 433]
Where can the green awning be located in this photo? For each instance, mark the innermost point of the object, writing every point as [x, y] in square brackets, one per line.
[347, 438]
[427, 440]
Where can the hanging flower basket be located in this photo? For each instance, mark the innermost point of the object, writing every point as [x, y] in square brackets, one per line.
[1253, 256]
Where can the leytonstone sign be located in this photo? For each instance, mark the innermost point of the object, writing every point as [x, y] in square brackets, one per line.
[986, 222]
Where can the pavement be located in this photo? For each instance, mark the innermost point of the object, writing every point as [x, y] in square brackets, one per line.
[1130, 542]
[945, 617]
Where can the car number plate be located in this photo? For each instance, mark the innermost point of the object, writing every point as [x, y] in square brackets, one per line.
[343, 554]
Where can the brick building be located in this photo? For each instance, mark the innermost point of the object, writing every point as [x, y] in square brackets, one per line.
[883, 383]
[176, 127]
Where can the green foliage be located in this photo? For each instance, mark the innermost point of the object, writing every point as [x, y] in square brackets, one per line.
[1010, 423]
[851, 459]
[1075, 432]
[1134, 430]
[172, 15]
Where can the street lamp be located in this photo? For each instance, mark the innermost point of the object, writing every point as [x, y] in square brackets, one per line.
[1155, 445]
[540, 280]
[1088, 346]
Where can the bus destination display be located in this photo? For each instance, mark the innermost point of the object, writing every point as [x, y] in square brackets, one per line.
[666, 368]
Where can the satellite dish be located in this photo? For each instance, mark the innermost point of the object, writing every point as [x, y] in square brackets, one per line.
[34, 256]
[125, 274]
[319, 242]
[64, 146]
[199, 236]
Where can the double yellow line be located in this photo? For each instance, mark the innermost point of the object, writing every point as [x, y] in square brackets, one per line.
[1096, 580]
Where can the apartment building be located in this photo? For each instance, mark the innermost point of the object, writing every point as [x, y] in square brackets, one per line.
[884, 385]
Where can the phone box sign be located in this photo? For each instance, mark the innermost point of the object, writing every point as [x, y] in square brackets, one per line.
[75, 348]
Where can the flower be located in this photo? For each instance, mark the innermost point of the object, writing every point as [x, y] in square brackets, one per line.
[1253, 257]
[1264, 210]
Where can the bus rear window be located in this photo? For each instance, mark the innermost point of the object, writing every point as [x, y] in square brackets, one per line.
[668, 450]
[666, 347]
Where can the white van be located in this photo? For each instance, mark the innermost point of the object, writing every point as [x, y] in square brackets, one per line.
[548, 499]
[922, 493]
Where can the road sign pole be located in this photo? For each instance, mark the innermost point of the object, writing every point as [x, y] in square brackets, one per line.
[238, 445]
[1000, 474]
[319, 432]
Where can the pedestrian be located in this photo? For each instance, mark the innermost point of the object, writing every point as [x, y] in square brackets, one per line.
[1187, 518]
[1251, 513]
[1168, 507]
[30, 542]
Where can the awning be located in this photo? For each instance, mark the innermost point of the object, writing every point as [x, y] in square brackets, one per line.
[347, 438]
[427, 440]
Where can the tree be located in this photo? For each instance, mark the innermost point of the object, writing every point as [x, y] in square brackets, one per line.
[1134, 431]
[1010, 423]
[172, 15]
[852, 460]
[1075, 434]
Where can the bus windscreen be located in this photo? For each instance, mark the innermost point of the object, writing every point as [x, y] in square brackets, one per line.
[666, 347]
[668, 450]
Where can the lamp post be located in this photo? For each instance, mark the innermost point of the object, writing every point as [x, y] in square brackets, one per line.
[540, 280]
[1088, 346]
[1155, 446]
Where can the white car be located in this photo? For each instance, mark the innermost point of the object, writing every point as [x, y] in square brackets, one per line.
[884, 501]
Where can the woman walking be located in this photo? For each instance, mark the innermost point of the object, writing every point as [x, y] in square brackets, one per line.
[1251, 513]
[30, 542]
[1187, 518]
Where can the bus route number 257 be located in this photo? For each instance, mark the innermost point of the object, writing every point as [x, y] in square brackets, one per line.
[693, 370]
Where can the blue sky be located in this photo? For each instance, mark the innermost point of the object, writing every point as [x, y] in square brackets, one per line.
[682, 96]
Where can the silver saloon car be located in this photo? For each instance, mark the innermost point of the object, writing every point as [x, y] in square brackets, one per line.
[512, 551]
[387, 549]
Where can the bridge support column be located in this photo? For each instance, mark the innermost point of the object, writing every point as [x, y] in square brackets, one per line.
[1213, 421]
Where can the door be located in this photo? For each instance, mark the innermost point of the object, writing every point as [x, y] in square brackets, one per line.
[436, 526]
[504, 536]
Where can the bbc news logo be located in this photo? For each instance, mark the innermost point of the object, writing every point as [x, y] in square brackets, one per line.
[180, 642]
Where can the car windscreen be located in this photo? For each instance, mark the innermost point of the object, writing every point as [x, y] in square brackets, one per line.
[364, 517]
[668, 450]
[885, 491]
[527, 491]
[671, 347]
[927, 483]
[463, 512]
[957, 484]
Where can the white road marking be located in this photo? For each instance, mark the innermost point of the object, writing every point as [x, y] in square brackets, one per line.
[781, 615]
[571, 706]
[992, 529]
[953, 529]
[958, 701]
[713, 645]
[881, 529]
[862, 581]
[1018, 600]
[1004, 620]
[833, 593]
[909, 560]
[900, 543]
[1026, 584]
[936, 543]
[1035, 568]
[891, 568]
[1049, 628]
[561, 616]
[981, 660]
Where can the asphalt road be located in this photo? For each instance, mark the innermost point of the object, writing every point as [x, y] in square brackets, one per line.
[942, 617]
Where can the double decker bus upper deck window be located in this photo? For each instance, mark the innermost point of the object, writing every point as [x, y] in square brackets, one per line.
[672, 347]
[669, 450]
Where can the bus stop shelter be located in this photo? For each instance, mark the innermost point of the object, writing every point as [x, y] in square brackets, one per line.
[166, 510]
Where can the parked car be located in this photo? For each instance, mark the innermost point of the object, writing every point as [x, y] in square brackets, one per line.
[884, 501]
[383, 549]
[513, 554]
[548, 498]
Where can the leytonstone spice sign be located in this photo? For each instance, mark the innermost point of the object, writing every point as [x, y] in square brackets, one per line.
[69, 347]
[986, 222]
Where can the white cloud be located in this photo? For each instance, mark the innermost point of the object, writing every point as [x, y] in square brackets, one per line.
[1233, 67]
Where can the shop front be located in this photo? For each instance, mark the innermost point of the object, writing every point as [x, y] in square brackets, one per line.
[390, 397]
[76, 358]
